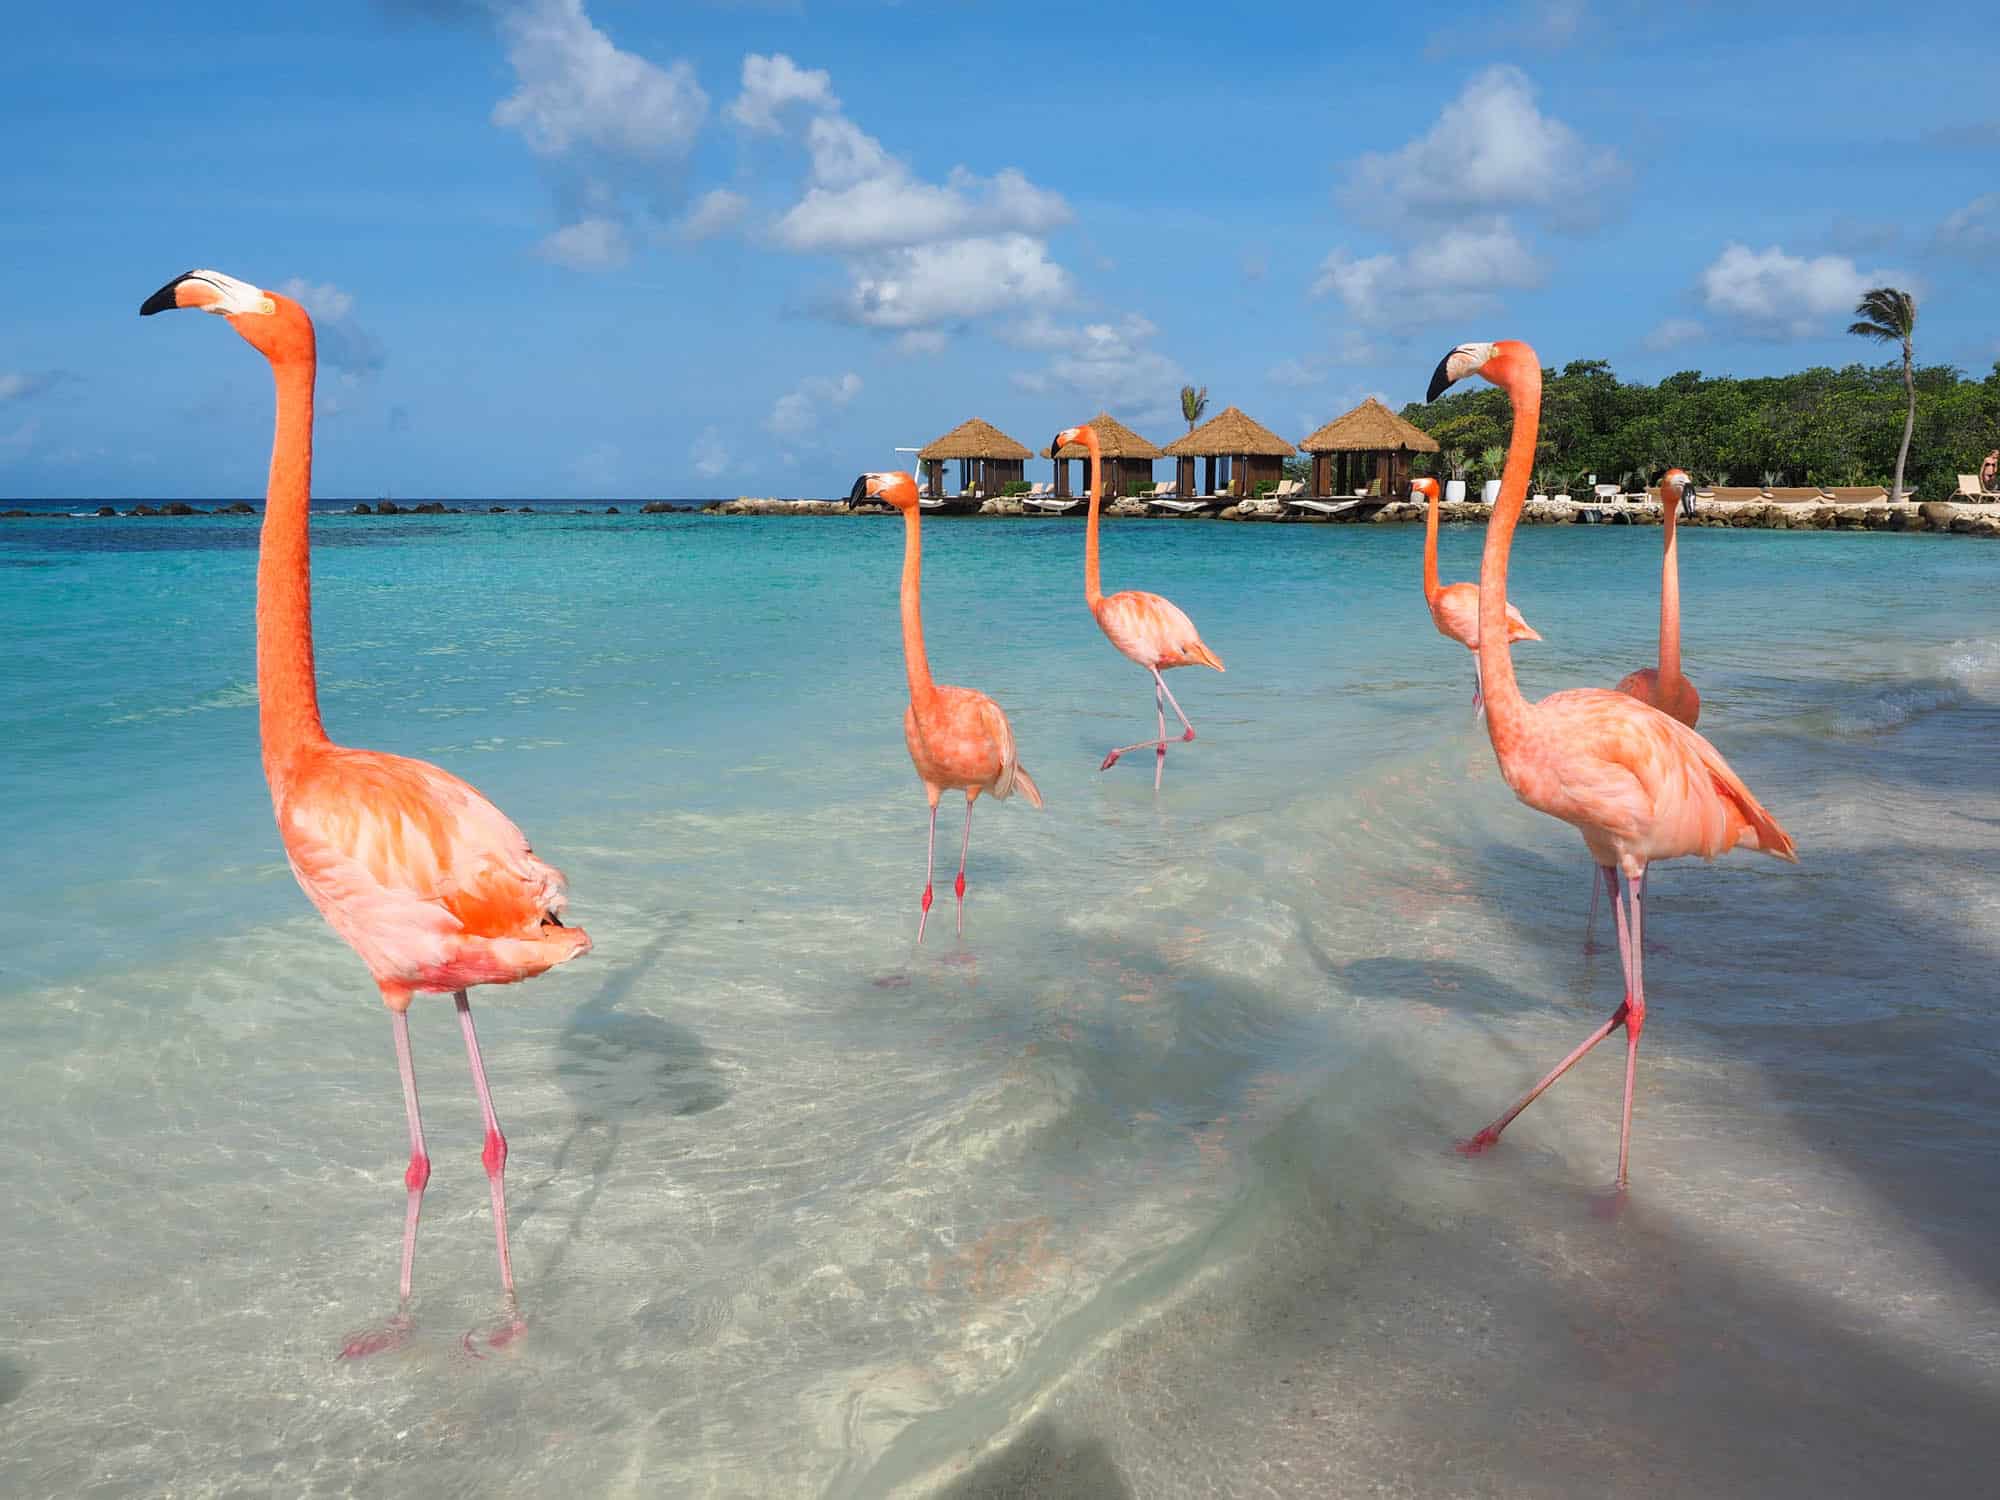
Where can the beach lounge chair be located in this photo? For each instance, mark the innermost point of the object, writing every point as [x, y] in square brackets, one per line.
[1181, 507]
[1049, 503]
[1313, 507]
[1968, 489]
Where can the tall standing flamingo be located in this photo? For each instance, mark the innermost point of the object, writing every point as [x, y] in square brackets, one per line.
[425, 879]
[1638, 785]
[1149, 629]
[957, 737]
[1455, 606]
[1664, 687]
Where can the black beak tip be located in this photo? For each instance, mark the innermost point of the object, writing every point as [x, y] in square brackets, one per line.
[1055, 446]
[860, 491]
[160, 301]
[1440, 380]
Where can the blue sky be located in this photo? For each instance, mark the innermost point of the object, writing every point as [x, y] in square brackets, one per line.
[586, 248]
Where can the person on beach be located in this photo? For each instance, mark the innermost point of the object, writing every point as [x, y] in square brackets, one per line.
[1989, 473]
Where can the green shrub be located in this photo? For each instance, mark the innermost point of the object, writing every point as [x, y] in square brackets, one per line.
[1016, 487]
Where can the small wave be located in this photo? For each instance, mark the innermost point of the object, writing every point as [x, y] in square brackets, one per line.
[236, 695]
[1968, 670]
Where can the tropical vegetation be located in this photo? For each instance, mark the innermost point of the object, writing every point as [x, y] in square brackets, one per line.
[1889, 316]
[1817, 426]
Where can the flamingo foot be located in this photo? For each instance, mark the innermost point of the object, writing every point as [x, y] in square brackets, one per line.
[1478, 1144]
[1110, 760]
[1189, 735]
[391, 1335]
[496, 1338]
[926, 914]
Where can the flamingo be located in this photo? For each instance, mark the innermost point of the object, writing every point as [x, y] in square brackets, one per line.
[957, 737]
[1455, 606]
[1638, 784]
[1664, 687]
[1149, 629]
[424, 878]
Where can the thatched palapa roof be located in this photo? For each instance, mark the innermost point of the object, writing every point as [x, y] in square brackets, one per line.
[1228, 434]
[1115, 440]
[1370, 428]
[974, 439]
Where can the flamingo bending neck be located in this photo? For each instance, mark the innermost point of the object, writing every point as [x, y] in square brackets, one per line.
[1432, 588]
[1093, 591]
[287, 699]
[1507, 719]
[915, 662]
[1670, 603]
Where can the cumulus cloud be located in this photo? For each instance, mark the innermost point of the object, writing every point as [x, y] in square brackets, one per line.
[1675, 333]
[924, 285]
[887, 206]
[1491, 149]
[712, 213]
[772, 83]
[923, 341]
[795, 416]
[578, 89]
[23, 385]
[1454, 276]
[344, 345]
[1974, 230]
[1107, 364]
[708, 453]
[593, 244]
[1349, 347]
[1769, 294]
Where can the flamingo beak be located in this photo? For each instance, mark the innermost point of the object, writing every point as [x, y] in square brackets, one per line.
[1442, 379]
[167, 298]
[211, 291]
[860, 491]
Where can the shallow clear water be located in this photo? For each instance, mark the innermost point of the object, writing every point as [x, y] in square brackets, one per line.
[1143, 1188]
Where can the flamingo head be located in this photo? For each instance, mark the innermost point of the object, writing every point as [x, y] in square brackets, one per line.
[1678, 479]
[1498, 362]
[1072, 435]
[277, 327]
[1426, 486]
[894, 488]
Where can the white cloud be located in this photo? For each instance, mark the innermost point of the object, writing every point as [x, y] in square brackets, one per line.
[1109, 364]
[1349, 347]
[923, 341]
[713, 212]
[924, 285]
[795, 415]
[1490, 149]
[771, 83]
[343, 344]
[1453, 276]
[578, 89]
[709, 454]
[1974, 230]
[1296, 373]
[594, 244]
[20, 385]
[1770, 294]
[1674, 333]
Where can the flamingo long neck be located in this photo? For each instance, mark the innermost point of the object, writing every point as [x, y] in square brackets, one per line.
[1670, 602]
[1431, 586]
[914, 661]
[1507, 721]
[287, 699]
[1093, 592]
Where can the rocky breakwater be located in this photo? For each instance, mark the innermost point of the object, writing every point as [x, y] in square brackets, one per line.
[754, 505]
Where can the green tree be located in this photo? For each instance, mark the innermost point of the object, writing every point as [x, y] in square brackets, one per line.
[1889, 316]
[1193, 404]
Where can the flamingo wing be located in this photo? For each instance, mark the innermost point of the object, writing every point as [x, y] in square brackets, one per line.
[994, 719]
[1456, 611]
[1153, 631]
[407, 863]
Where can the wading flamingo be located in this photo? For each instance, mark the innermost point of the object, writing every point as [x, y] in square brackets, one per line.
[1664, 686]
[1149, 629]
[425, 879]
[1638, 785]
[1455, 606]
[957, 737]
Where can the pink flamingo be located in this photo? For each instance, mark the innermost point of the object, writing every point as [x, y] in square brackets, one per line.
[1665, 687]
[957, 737]
[425, 879]
[1455, 606]
[1149, 629]
[1638, 785]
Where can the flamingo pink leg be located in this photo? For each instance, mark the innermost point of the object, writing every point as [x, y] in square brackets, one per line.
[1609, 877]
[1631, 1013]
[930, 868]
[495, 1158]
[958, 887]
[397, 1330]
[1635, 1007]
[1159, 746]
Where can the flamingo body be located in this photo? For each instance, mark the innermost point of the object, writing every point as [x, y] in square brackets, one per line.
[1678, 700]
[1455, 612]
[1665, 686]
[1155, 632]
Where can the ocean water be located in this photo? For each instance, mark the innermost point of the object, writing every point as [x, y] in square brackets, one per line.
[1145, 1187]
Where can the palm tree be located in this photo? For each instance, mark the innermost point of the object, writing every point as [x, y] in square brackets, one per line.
[1888, 316]
[1193, 404]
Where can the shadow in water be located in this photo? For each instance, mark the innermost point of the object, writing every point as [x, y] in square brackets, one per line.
[13, 1380]
[619, 1067]
[1044, 1462]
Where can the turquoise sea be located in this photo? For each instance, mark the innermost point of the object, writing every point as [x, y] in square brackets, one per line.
[1142, 1189]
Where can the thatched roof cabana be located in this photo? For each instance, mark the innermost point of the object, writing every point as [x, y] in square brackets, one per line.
[988, 459]
[1250, 448]
[1127, 457]
[1346, 443]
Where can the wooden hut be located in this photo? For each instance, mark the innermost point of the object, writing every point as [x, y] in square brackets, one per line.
[988, 460]
[1369, 443]
[1127, 458]
[1255, 453]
